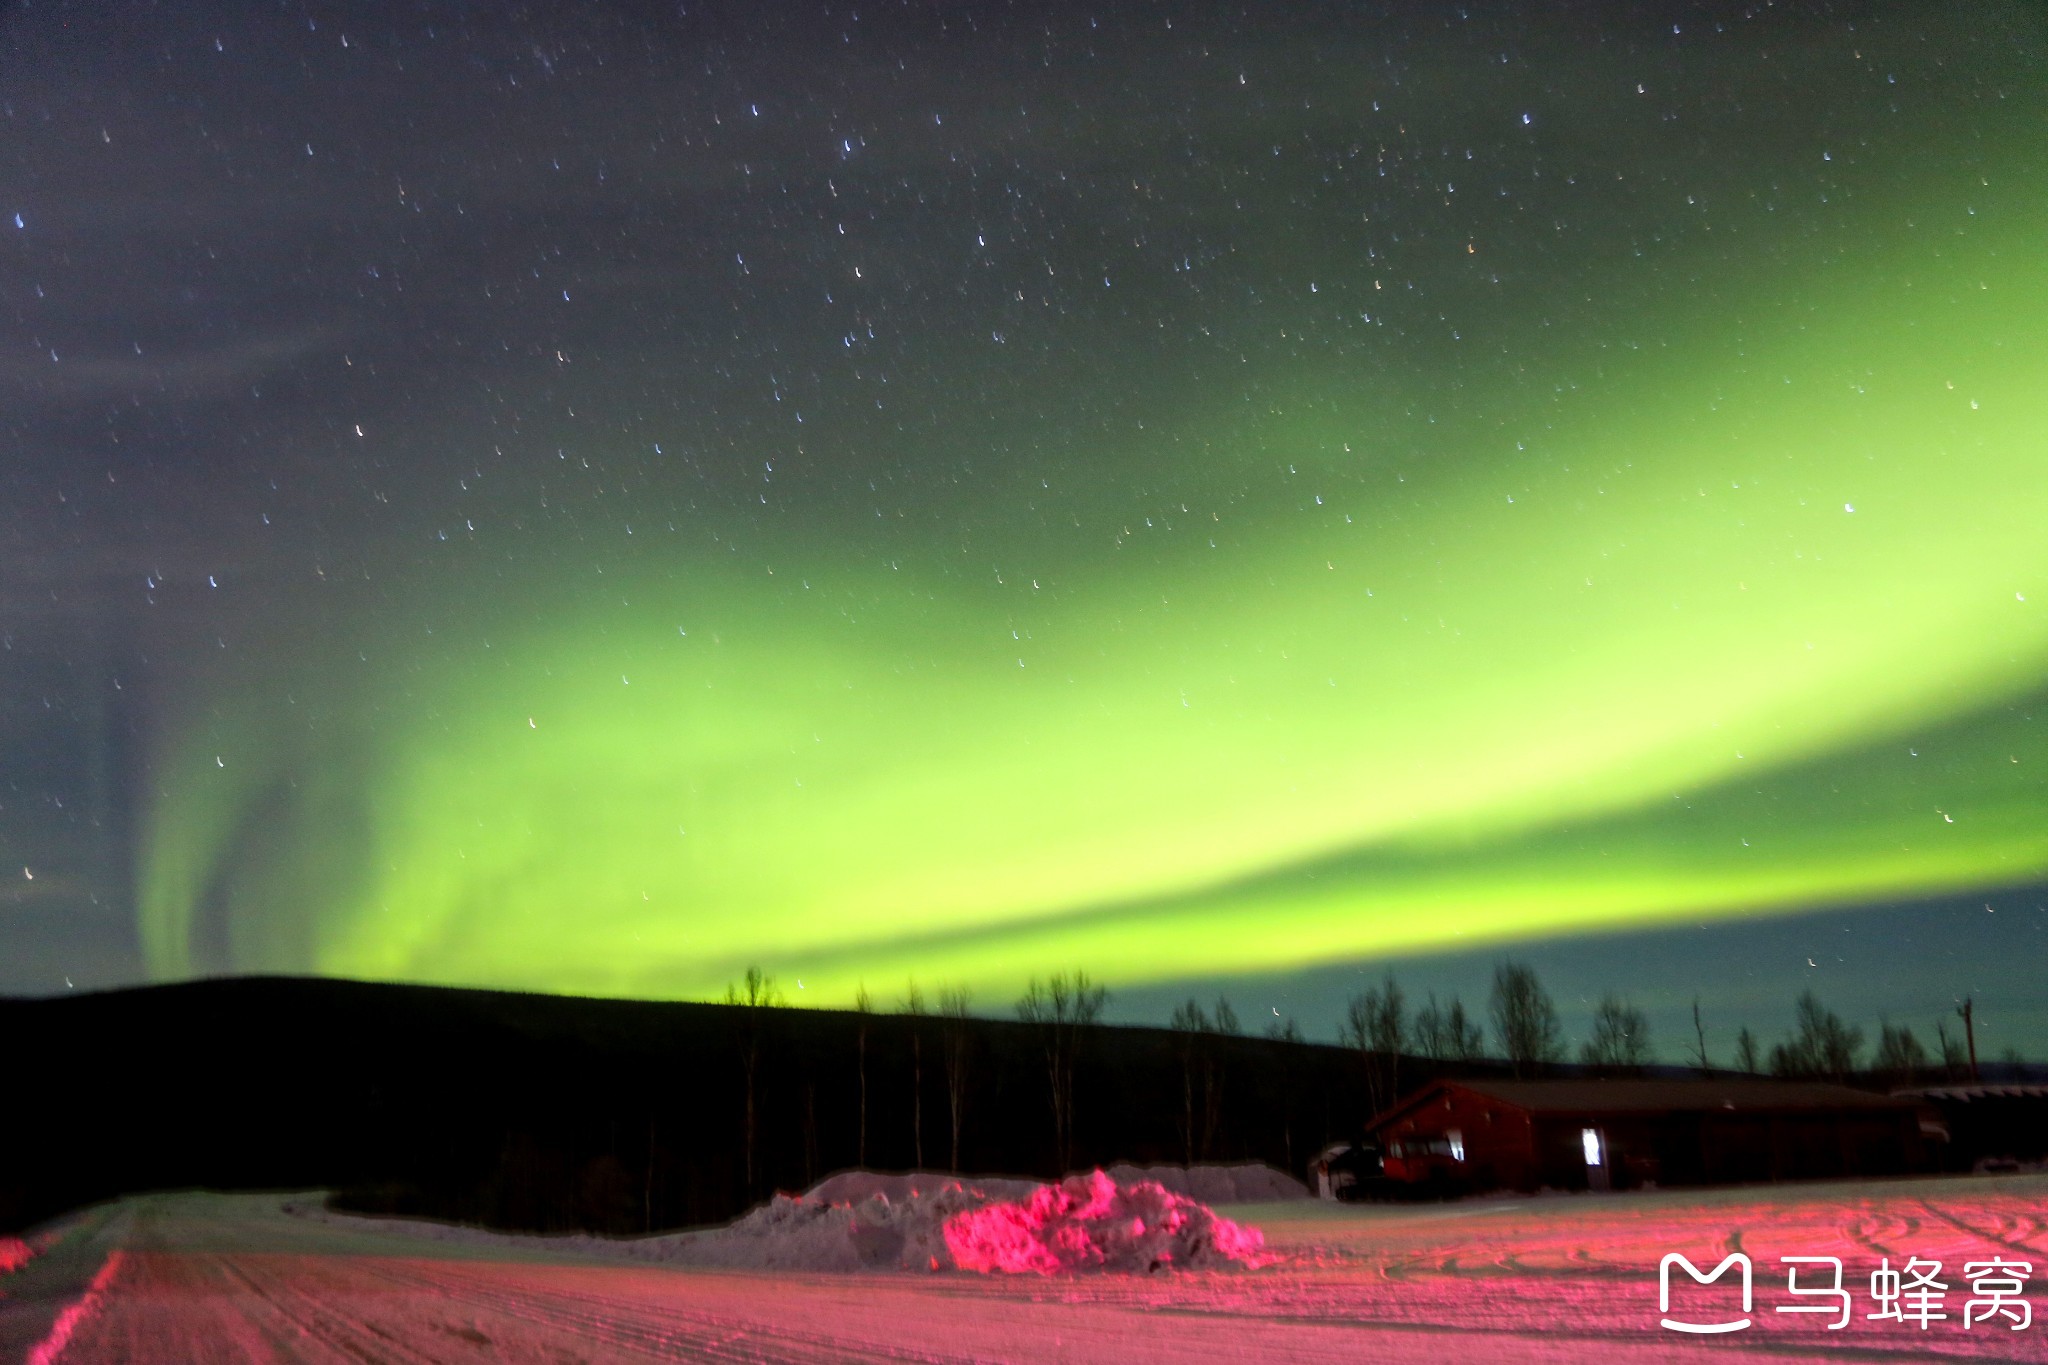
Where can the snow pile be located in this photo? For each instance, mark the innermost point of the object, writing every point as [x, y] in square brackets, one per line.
[863, 1220]
[852, 1187]
[1091, 1222]
[790, 1232]
[860, 1220]
[804, 1232]
[1123, 1219]
[1248, 1183]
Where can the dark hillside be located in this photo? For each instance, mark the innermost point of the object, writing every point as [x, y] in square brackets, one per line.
[546, 1112]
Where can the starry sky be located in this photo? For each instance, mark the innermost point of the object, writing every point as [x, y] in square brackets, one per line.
[589, 497]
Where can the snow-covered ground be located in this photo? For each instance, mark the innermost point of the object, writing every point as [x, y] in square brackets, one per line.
[199, 1277]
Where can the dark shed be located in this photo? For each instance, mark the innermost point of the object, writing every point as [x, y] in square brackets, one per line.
[1989, 1126]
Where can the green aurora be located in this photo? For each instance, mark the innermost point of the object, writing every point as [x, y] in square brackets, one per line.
[1750, 622]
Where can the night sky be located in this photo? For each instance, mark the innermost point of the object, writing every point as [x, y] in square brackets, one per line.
[586, 498]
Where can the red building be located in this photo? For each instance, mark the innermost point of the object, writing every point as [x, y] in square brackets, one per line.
[1455, 1136]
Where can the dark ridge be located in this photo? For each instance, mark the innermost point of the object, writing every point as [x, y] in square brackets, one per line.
[552, 1113]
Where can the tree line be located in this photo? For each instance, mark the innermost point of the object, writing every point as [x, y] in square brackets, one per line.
[1060, 1007]
[1530, 1039]
[1389, 1033]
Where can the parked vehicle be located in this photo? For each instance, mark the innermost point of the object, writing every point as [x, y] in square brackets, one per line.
[1351, 1172]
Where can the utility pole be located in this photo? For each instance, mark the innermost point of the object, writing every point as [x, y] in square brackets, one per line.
[1969, 1033]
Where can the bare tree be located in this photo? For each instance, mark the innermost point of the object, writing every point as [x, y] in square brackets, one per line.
[1900, 1056]
[1954, 1062]
[1375, 1023]
[1462, 1040]
[1621, 1035]
[1356, 1033]
[914, 1006]
[1389, 1018]
[1699, 1033]
[810, 1132]
[1430, 1043]
[1443, 1033]
[1834, 1043]
[647, 1186]
[1524, 1018]
[1191, 1024]
[864, 1009]
[1222, 1024]
[1821, 1045]
[957, 1039]
[751, 995]
[1746, 1058]
[1286, 1066]
[1061, 1006]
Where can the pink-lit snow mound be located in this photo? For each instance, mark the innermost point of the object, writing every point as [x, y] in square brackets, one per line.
[875, 1232]
[14, 1254]
[863, 1221]
[1089, 1222]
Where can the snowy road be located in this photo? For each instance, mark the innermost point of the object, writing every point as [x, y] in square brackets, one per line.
[198, 1277]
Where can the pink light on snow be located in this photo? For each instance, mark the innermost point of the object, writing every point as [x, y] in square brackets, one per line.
[52, 1346]
[14, 1254]
[1089, 1222]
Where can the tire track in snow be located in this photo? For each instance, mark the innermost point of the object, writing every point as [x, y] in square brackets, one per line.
[319, 1319]
[79, 1312]
[1999, 1235]
[191, 1309]
[640, 1324]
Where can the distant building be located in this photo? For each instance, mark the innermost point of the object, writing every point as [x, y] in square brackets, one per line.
[1990, 1127]
[1454, 1136]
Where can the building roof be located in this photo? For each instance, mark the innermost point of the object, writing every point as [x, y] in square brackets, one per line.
[1593, 1096]
[1966, 1093]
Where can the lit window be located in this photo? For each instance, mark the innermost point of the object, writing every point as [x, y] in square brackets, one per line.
[1590, 1139]
[1457, 1138]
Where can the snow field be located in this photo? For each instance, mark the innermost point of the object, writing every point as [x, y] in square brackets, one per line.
[1554, 1278]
